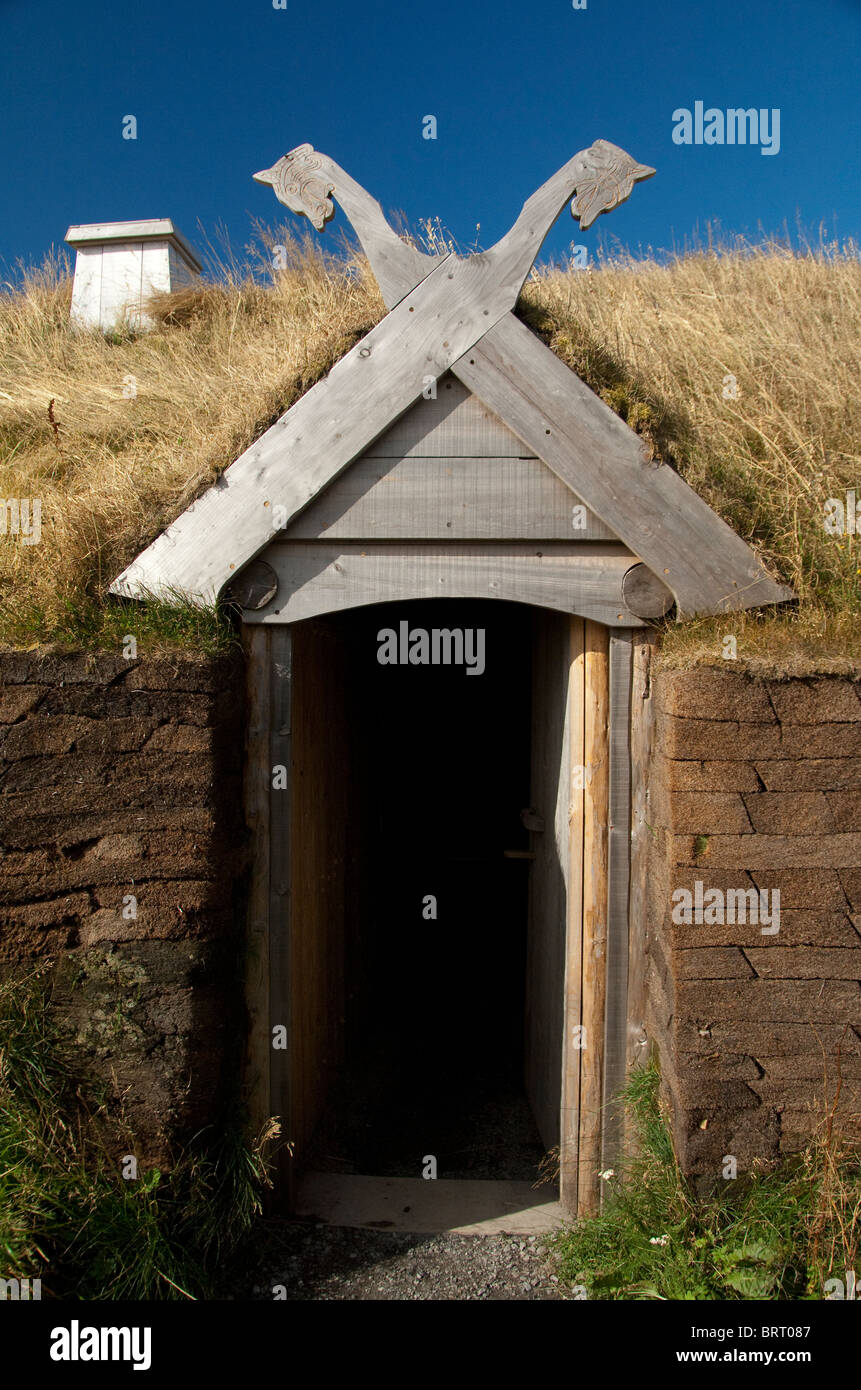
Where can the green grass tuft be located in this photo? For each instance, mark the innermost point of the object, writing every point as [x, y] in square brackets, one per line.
[774, 1233]
[68, 1217]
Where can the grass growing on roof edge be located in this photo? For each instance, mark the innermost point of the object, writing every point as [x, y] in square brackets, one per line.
[655, 340]
[69, 1218]
[778, 1232]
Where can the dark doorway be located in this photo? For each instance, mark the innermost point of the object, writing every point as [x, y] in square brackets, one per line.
[433, 1029]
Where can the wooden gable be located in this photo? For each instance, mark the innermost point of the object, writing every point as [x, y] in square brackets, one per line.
[448, 469]
[517, 408]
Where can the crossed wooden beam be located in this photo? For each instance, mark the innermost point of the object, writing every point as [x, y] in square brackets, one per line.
[448, 312]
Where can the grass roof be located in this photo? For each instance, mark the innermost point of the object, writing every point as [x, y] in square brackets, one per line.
[737, 366]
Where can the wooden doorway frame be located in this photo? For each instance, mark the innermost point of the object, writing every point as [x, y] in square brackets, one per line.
[604, 932]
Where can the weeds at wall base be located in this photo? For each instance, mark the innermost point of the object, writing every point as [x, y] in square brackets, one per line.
[68, 1217]
[778, 1232]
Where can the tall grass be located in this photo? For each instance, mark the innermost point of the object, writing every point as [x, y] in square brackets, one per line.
[68, 1217]
[658, 340]
[778, 1232]
[667, 344]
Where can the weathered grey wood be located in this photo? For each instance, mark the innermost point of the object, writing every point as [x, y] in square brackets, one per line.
[305, 180]
[256, 586]
[452, 423]
[642, 737]
[328, 576]
[448, 498]
[650, 507]
[645, 594]
[460, 320]
[602, 176]
[280, 1003]
[618, 883]
[324, 431]
[548, 875]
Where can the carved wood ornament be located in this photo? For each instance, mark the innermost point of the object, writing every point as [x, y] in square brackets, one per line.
[454, 313]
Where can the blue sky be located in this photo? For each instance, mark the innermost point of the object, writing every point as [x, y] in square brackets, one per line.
[221, 88]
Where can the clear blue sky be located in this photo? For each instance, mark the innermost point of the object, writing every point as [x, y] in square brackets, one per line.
[221, 88]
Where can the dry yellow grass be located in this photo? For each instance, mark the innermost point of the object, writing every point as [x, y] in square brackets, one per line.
[657, 342]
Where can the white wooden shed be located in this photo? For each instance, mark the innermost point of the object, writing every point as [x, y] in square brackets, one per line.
[118, 265]
[448, 466]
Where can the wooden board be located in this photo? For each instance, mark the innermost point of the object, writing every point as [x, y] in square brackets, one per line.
[451, 423]
[549, 872]
[321, 577]
[320, 435]
[572, 1056]
[642, 737]
[447, 498]
[595, 878]
[702, 561]
[618, 882]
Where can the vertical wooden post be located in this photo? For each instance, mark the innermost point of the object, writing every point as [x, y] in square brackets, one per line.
[569, 1130]
[595, 878]
[618, 883]
[642, 733]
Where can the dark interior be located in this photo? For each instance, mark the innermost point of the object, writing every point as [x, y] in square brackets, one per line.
[434, 1009]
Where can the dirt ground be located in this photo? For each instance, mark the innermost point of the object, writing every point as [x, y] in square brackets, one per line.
[313, 1262]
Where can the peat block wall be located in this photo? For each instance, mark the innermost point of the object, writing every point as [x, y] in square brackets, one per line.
[755, 784]
[122, 779]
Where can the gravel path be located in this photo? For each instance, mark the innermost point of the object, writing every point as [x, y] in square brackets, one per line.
[327, 1262]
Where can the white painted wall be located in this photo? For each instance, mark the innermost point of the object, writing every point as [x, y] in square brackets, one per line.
[118, 265]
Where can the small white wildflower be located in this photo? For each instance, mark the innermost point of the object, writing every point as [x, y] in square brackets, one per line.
[607, 1174]
[659, 1240]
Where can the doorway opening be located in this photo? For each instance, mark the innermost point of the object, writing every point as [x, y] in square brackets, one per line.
[427, 909]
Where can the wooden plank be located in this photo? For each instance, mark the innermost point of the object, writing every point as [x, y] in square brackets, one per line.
[303, 180]
[618, 880]
[642, 737]
[256, 790]
[603, 177]
[548, 875]
[595, 878]
[453, 423]
[280, 995]
[320, 435]
[329, 576]
[447, 499]
[572, 1054]
[650, 507]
